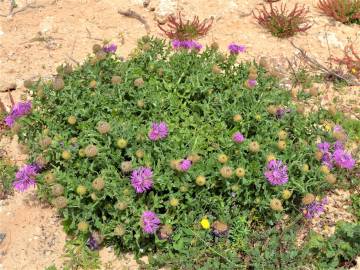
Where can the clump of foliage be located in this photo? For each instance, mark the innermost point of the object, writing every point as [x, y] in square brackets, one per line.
[351, 60]
[355, 204]
[338, 251]
[345, 11]
[7, 175]
[79, 256]
[179, 29]
[281, 22]
[173, 151]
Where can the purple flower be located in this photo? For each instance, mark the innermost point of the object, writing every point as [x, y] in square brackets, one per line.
[280, 113]
[9, 121]
[25, 177]
[236, 49]
[323, 147]
[176, 44]
[185, 165]
[343, 159]
[110, 48]
[276, 173]
[92, 243]
[238, 137]
[315, 209]
[186, 44]
[149, 222]
[338, 128]
[251, 83]
[158, 131]
[327, 160]
[141, 179]
[338, 145]
[20, 109]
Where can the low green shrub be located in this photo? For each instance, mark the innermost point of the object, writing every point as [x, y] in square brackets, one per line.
[338, 251]
[178, 152]
[7, 175]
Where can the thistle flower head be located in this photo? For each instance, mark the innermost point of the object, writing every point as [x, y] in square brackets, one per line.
[45, 142]
[200, 180]
[90, 151]
[254, 147]
[139, 82]
[240, 172]
[343, 159]
[83, 226]
[49, 178]
[330, 178]
[323, 147]
[126, 166]
[158, 131]
[314, 209]
[186, 44]
[103, 127]
[222, 158]
[308, 198]
[226, 172]
[60, 202]
[276, 173]
[149, 222]
[58, 83]
[110, 48]
[286, 194]
[185, 165]
[141, 179]
[19, 110]
[25, 177]
[276, 205]
[194, 158]
[57, 190]
[98, 183]
[116, 79]
[220, 229]
[119, 230]
[238, 137]
[236, 48]
[251, 83]
[165, 231]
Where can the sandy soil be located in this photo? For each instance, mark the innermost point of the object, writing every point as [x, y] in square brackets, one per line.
[42, 34]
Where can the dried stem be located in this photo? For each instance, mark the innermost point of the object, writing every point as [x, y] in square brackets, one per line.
[132, 14]
[317, 65]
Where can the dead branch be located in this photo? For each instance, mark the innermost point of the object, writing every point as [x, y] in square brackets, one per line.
[11, 99]
[89, 36]
[72, 59]
[317, 65]
[13, 6]
[132, 14]
[244, 14]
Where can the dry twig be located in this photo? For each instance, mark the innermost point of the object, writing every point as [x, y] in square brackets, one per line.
[89, 36]
[132, 14]
[13, 6]
[317, 65]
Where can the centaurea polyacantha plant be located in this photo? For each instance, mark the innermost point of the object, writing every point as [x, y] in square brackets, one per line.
[188, 139]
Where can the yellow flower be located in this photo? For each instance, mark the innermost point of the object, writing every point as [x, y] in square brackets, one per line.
[205, 224]
[353, 70]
